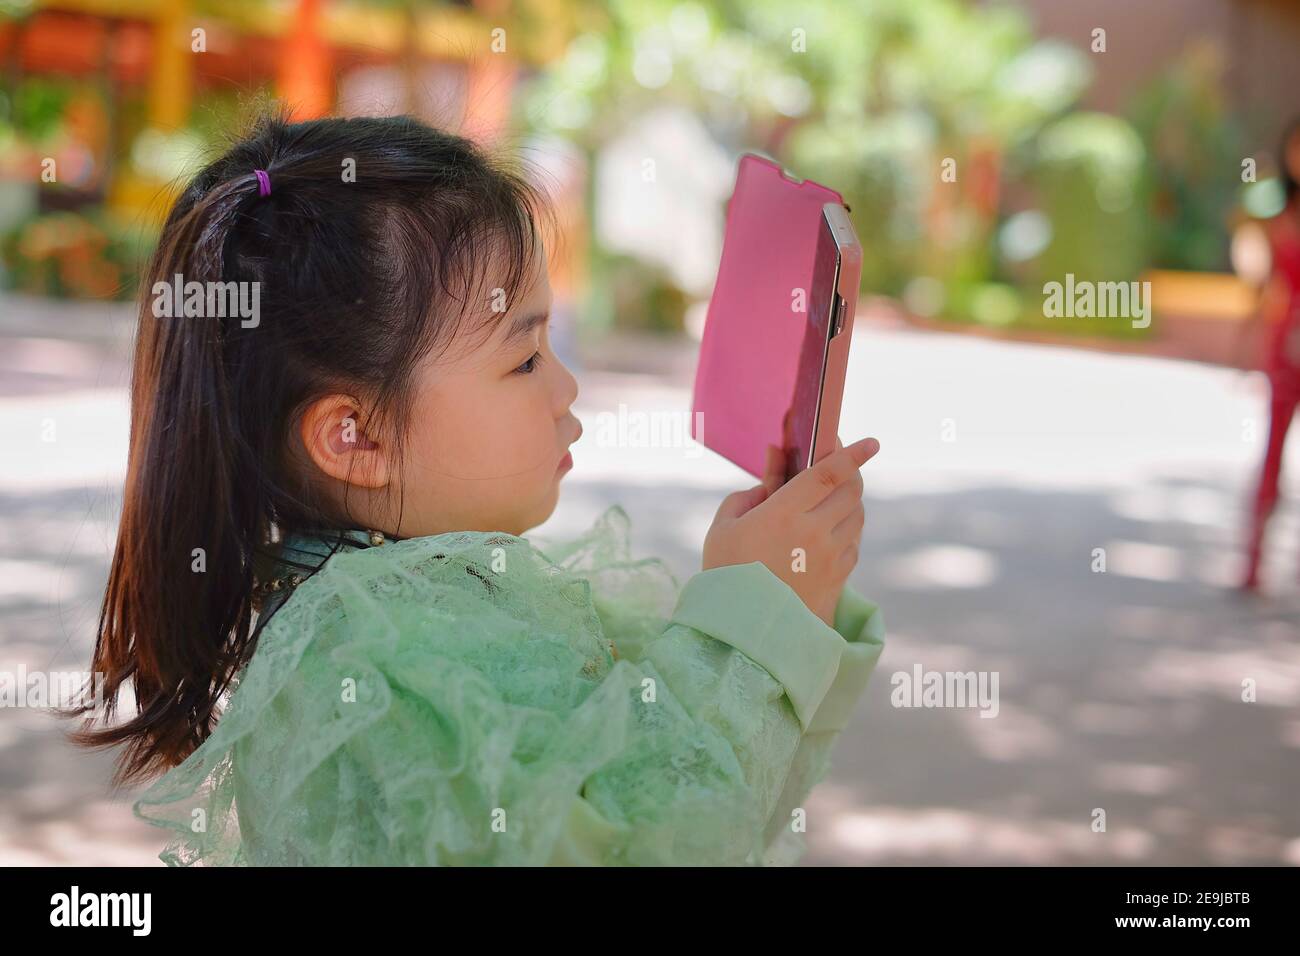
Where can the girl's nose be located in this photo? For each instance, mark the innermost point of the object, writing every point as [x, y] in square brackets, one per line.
[569, 392]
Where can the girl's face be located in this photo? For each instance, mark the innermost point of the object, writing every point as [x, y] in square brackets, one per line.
[488, 439]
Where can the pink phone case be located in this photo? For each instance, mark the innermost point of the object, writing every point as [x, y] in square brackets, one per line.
[749, 355]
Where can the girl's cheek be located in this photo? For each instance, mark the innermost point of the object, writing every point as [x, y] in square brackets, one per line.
[494, 432]
[534, 432]
[529, 432]
[503, 435]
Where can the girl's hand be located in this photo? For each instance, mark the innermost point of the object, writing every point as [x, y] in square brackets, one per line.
[805, 531]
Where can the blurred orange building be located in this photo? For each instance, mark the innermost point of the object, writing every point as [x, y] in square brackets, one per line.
[174, 50]
[169, 53]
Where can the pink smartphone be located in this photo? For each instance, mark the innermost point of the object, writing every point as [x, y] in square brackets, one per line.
[770, 378]
[814, 416]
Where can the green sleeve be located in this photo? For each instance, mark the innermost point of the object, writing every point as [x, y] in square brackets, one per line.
[822, 673]
[755, 612]
[861, 624]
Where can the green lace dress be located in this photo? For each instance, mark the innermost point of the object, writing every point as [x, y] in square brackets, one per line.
[472, 698]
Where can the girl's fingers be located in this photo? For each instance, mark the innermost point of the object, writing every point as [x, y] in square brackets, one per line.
[812, 486]
[774, 474]
[848, 530]
[849, 558]
[840, 502]
[738, 503]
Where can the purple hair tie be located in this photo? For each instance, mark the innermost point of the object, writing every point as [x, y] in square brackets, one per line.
[263, 182]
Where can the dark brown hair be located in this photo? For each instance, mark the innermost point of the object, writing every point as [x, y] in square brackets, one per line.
[360, 279]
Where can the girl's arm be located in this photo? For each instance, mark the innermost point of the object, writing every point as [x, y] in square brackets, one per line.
[763, 623]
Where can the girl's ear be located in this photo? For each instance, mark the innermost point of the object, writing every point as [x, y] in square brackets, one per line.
[334, 440]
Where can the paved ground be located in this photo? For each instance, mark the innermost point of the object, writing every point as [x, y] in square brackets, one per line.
[1003, 468]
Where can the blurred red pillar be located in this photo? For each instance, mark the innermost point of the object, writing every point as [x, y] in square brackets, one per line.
[304, 80]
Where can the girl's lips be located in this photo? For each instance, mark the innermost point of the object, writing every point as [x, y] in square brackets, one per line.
[566, 462]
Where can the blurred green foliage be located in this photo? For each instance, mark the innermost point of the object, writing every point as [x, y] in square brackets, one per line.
[868, 96]
[74, 255]
[875, 97]
[948, 81]
[1088, 176]
[1191, 175]
[37, 106]
[16, 9]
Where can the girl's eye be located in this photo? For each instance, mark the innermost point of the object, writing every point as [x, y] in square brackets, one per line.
[531, 365]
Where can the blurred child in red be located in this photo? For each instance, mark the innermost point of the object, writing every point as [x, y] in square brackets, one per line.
[1280, 308]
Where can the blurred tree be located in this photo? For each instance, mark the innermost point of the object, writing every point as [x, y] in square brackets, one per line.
[869, 96]
[1192, 174]
[1088, 177]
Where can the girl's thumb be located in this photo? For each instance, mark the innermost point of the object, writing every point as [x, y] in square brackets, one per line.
[739, 502]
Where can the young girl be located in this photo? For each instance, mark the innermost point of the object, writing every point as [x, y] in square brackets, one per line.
[1280, 309]
[320, 545]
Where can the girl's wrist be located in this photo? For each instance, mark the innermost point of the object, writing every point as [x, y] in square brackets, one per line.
[826, 611]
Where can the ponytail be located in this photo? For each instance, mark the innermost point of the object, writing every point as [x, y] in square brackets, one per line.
[193, 512]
